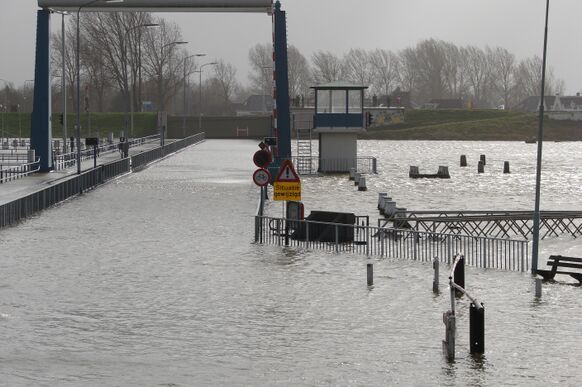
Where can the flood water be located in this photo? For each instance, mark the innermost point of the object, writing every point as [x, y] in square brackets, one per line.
[153, 280]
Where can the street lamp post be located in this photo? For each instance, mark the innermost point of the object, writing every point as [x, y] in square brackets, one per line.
[3, 113]
[129, 99]
[184, 96]
[161, 87]
[200, 94]
[536, 218]
[63, 79]
[78, 64]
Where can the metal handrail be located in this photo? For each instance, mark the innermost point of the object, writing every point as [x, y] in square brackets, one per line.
[17, 172]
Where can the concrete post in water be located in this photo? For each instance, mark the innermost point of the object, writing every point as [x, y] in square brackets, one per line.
[31, 156]
[362, 184]
[477, 329]
[450, 331]
[480, 167]
[389, 208]
[370, 272]
[506, 167]
[435, 281]
[357, 177]
[538, 287]
[443, 172]
[413, 171]
[483, 159]
[352, 173]
[463, 161]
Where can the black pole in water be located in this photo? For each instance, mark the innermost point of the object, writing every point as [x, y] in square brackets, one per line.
[536, 218]
[477, 329]
[463, 161]
[370, 270]
[459, 273]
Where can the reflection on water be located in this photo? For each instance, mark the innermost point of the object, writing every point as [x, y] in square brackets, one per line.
[153, 280]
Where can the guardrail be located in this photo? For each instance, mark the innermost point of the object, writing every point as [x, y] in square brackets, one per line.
[25, 206]
[484, 252]
[311, 164]
[144, 158]
[17, 172]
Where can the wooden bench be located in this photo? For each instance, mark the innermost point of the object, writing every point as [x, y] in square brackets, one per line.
[560, 265]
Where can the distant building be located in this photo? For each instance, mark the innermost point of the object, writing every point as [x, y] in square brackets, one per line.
[445, 103]
[555, 106]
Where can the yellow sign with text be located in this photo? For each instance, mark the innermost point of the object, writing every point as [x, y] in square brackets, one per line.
[287, 190]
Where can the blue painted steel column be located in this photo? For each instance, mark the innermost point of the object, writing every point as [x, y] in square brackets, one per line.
[283, 116]
[40, 130]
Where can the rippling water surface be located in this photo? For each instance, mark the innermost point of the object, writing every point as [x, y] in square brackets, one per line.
[153, 280]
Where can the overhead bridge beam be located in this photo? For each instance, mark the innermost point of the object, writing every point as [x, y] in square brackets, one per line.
[257, 6]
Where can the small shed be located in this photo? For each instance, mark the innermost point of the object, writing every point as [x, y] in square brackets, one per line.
[338, 119]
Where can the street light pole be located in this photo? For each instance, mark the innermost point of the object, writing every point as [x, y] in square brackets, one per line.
[3, 113]
[184, 96]
[536, 219]
[161, 88]
[200, 93]
[78, 64]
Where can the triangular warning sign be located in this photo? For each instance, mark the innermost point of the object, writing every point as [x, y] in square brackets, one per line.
[287, 172]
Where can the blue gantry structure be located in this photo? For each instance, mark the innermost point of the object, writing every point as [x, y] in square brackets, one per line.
[41, 130]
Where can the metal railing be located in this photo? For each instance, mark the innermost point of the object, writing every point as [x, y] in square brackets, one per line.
[363, 164]
[19, 171]
[484, 252]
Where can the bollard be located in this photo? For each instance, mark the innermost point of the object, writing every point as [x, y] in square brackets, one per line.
[477, 329]
[538, 288]
[352, 173]
[357, 177]
[370, 274]
[413, 171]
[459, 274]
[449, 341]
[389, 208]
[443, 172]
[506, 167]
[362, 184]
[463, 161]
[435, 281]
[482, 158]
[480, 167]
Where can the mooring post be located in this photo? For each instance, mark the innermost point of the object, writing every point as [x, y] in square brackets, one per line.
[538, 287]
[362, 184]
[352, 173]
[357, 177]
[480, 167]
[483, 159]
[506, 167]
[449, 341]
[477, 328]
[463, 161]
[435, 281]
[370, 274]
[459, 273]
[381, 198]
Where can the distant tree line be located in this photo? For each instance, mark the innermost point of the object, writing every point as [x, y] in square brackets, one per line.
[129, 58]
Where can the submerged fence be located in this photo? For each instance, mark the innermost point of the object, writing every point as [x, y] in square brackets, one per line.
[25, 206]
[497, 253]
[17, 172]
[313, 165]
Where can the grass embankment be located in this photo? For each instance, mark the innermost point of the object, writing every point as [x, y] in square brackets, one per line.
[493, 125]
[144, 124]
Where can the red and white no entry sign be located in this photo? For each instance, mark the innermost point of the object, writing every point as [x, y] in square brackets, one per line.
[261, 177]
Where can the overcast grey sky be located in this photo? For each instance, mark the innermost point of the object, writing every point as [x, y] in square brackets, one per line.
[338, 25]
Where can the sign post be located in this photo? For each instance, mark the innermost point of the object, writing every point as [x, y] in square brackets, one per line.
[287, 183]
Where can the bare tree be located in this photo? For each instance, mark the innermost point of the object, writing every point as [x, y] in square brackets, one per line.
[357, 67]
[299, 72]
[326, 67]
[407, 63]
[455, 86]
[225, 77]
[70, 55]
[384, 65]
[476, 68]
[161, 59]
[261, 61]
[504, 81]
